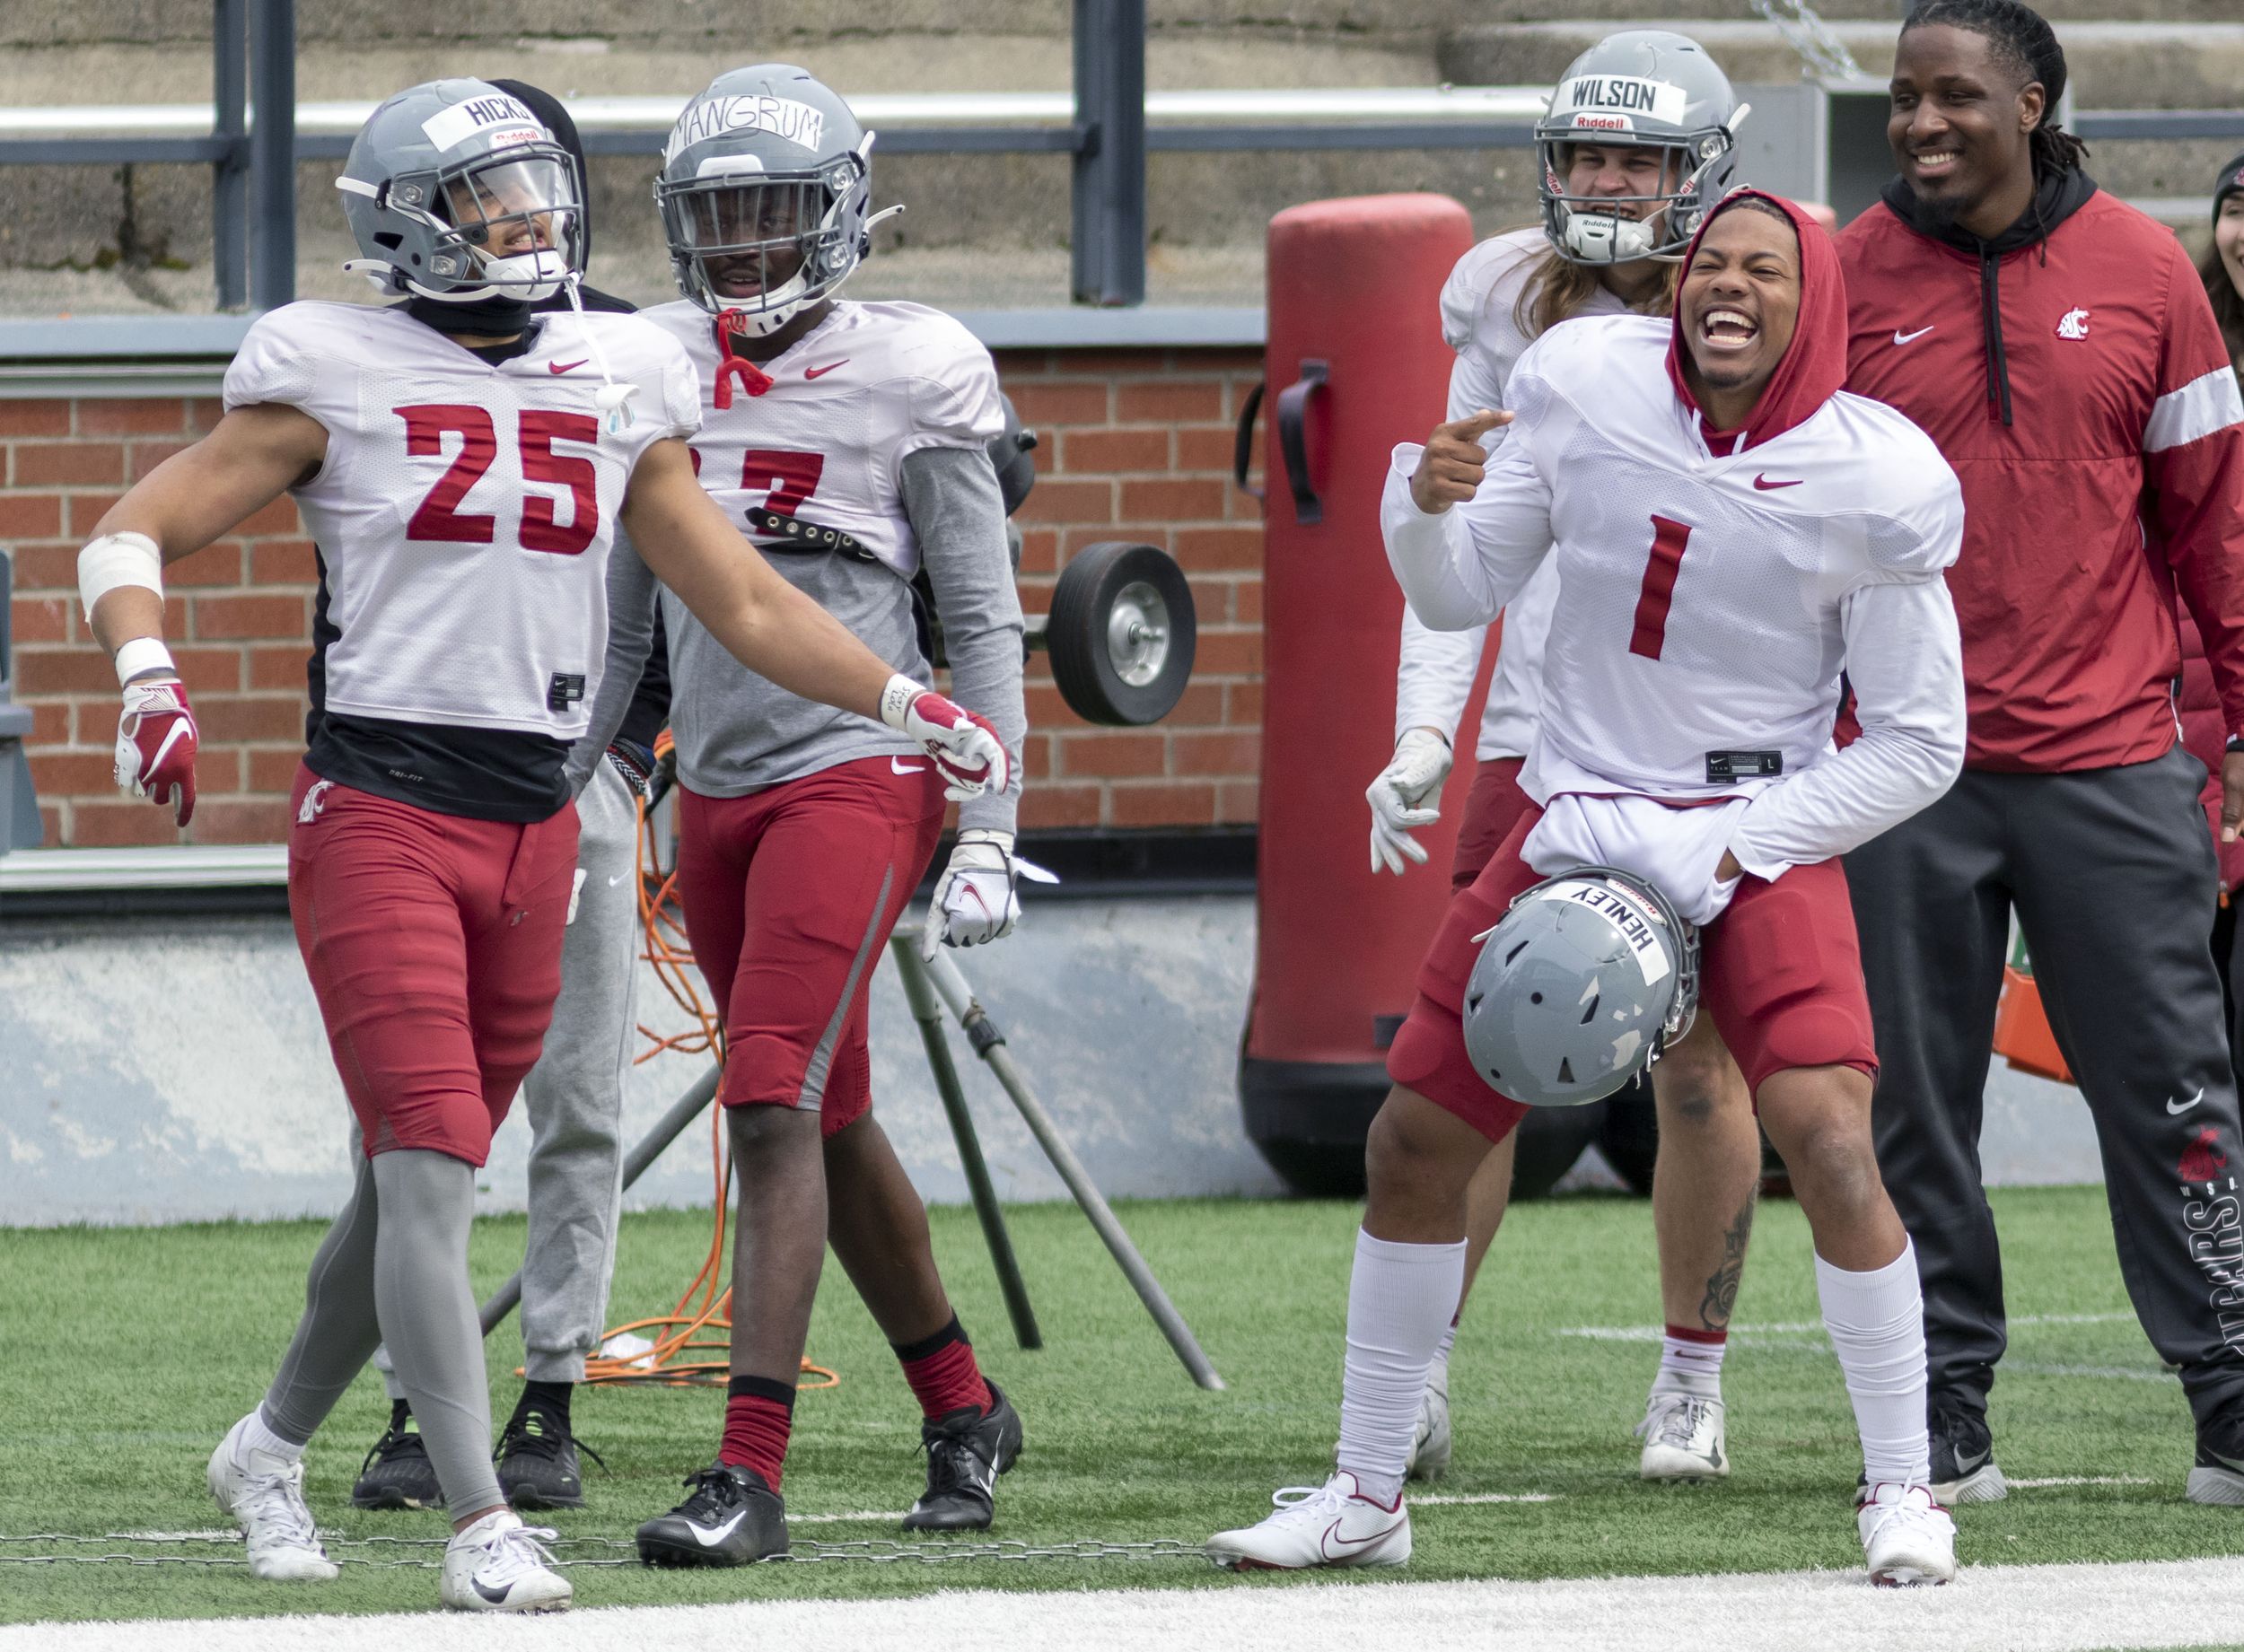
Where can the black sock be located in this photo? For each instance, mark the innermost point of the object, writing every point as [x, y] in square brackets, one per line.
[551, 1398]
[400, 1413]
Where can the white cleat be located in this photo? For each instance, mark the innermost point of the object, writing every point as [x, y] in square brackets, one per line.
[1429, 1457]
[1683, 1439]
[1331, 1525]
[499, 1565]
[264, 1494]
[1907, 1538]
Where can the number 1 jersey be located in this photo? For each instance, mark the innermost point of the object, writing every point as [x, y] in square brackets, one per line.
[463, 517]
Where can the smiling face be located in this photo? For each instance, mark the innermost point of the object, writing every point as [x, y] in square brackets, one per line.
[1739, 305]
[1959, 126]
[505, 211]
[1606, 173]
[2227, 239]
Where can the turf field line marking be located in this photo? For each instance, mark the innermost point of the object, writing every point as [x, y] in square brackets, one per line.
[1461, 1499]
[2079, 1479]
[2067, 1608]
[1807, 1327]
[846, 1519]
[2123, 1373]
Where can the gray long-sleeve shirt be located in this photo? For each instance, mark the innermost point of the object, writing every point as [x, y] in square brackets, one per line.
[737, 732]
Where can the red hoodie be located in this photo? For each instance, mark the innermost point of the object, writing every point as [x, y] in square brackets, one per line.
[2077, 383]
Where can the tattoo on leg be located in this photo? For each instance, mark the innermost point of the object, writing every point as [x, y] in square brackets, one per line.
[1722, 1285]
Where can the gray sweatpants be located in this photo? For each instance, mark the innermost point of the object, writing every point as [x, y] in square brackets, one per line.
[574, 1096]
[2111, 873]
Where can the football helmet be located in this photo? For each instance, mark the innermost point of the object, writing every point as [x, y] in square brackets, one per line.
[1642, 88]
[456, 191]
[1579, 987]
[765, 194]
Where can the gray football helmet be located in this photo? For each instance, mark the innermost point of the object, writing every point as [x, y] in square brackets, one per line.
[1642, 88]
[765, 194]
[456, 191]
[1580, 987]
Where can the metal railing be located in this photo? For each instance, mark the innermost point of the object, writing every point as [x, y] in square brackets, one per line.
[1107, 126]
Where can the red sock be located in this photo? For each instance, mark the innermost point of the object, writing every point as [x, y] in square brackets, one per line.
[759, 1413]
[942, 1374]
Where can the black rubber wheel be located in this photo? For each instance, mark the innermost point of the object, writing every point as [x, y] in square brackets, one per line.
[1630, 1139]
[1550, 1139]
[1121, 633]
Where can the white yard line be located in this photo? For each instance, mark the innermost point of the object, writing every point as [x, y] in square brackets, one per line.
[1991, 1609]
[1474, 1499]
[2079, 1479]
[1814, 1327]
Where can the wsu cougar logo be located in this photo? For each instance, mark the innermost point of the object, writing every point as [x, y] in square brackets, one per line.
[2201, 1162]
[2073, 324]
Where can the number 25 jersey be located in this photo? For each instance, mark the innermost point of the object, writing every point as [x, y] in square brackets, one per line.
[1709, 599]
[463, 517]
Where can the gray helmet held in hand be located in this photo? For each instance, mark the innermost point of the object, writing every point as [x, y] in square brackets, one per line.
[766, 190]
[457, 191]
[1580, 987]
[1642, 88]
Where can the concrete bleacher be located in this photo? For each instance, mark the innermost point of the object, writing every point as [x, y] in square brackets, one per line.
[983, 231]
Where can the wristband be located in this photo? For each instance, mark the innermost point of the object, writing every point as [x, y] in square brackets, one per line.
[897, 698]
[138, 656]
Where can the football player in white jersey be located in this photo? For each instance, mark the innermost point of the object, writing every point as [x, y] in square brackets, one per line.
[1733, 532]
[848, 443]
[1617, 212]
[464, 471]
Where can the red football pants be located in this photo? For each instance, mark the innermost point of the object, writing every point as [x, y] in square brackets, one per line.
[434, 943]
[789, 894]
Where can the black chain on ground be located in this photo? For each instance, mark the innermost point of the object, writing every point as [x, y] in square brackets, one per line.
[877, 1550]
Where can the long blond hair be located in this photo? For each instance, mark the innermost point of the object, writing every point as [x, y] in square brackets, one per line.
[1557, 288]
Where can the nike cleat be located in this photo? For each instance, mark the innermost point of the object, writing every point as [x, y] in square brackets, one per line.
[1907, 1538]
[1331, 1525]
[538, 1463]
[1963, 1460]
[397, 1472]
[967, 1450]
[1683, 1439]
[265, 1495]
[498, 1564]
[2218, 1475]
[1429, 1457]
[731, 1518]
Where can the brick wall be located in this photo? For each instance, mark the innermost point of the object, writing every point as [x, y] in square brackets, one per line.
[1136, 445]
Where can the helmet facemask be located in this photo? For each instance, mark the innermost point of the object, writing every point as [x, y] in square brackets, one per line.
[505, 224]
[762, 247]
[1593, 229]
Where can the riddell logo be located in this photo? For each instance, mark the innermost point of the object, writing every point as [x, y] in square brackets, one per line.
[2201, 1161]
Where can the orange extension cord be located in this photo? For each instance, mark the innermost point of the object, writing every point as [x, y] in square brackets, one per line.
[693, 1341]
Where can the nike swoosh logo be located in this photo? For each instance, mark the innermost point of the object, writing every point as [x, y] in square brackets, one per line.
[496, 1596]
[819, 372]
[2184, 1106]
[710, 1540]
[1901, 338]
[1324, 1543]
[617, 878]
[1765, 485]
[1969, 1465]
[898, 767]
[562, 367]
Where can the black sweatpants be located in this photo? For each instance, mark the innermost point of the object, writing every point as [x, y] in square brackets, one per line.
[2111, 873]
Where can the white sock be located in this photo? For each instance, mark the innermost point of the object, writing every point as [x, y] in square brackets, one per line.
[1400, 1298]
[1691, 1365]
[258, 1436]
[1449, 1339]
[1877, 1325]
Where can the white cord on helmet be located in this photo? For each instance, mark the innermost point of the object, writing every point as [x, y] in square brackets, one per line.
[614, 400]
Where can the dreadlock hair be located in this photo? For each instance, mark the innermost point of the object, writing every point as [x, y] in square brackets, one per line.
[2022, 38]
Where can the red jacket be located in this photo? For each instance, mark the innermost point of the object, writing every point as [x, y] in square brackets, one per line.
[2116, 479]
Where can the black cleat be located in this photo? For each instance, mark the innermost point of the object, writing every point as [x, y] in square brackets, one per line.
[538, 1463]
[397, 1472]
[731, 1519]
[967, 1450]
[1963, 1458]
[2217, 1477]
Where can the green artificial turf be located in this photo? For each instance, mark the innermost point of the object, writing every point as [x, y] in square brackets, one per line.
[128, 1353]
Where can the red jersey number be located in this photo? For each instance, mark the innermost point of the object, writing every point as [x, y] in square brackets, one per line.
[438, 518]
[790, 478]
[1669, 540]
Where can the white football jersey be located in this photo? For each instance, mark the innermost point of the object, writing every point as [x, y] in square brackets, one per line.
[1480, 321]
[465, 511]
[839, 411]
[1707, 603]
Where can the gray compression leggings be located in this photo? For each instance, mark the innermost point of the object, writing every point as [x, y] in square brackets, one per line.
[395, 1267]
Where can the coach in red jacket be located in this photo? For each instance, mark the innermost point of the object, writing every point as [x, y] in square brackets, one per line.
[2058, 347]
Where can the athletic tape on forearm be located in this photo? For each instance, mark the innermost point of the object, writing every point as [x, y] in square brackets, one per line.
[117, 559]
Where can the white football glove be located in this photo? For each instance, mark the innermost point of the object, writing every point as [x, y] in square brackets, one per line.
[962, 745]
[976, 900]
[1406, 794]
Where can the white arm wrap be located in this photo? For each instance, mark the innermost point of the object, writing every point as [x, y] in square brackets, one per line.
[117, 559]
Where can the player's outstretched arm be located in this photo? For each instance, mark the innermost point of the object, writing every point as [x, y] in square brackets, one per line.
[253, 456]
[782, 636]
[1464, 529]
